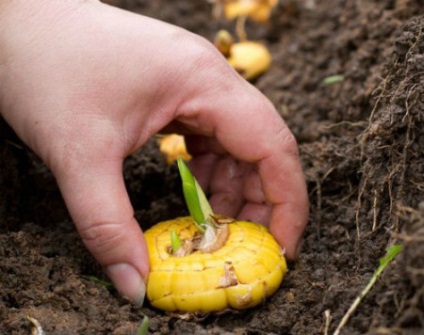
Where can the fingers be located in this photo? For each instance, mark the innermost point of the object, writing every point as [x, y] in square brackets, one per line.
[219, 173]
[226, 186]
[257, 209]
[284, 186]
[248, 127]
[98, 203]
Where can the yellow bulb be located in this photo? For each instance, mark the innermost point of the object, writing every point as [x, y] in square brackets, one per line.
[248, 268]
[173, 147]
[257, 10]
[249, 58]
[223, 42]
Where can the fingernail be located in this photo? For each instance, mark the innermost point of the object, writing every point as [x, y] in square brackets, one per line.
[128, 281]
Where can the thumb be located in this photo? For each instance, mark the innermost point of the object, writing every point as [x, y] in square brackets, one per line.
[98, 202]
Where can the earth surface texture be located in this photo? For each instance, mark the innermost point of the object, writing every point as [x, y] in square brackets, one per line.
[361, 142]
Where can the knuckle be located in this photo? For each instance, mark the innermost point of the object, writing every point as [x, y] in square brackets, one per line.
[288, 141]
[204, 56]
[101, 237]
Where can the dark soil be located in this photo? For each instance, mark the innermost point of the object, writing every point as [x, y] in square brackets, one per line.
[361, 143]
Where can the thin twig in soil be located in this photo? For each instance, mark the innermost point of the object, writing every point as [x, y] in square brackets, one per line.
[318, 212]
[327, 316]
[408, 238]
[358, 206]
[375, 211]
[359, 124]
[37, 329]
[363, 137]
[413, 46]
[401, 166]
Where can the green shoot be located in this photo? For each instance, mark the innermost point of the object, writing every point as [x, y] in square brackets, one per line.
[96, 280]
[144, 326]
[391, 253]
[195, 198]
[175, 241]
[333, 79]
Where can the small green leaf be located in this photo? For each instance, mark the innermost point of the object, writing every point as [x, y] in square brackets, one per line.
[96, 280]
[175, 241]
[190, 192]
[144, 326]
[204, 203]
[333, 79]
[195, 198]
[391, 253]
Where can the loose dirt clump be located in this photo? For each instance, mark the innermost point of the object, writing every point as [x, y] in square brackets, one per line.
[361, 142]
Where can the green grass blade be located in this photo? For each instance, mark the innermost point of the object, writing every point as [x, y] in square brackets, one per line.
[391, 253]
[96, 280]
[144, 326]
[204, 203]
[333, 79]
[195, 198]
[190, 192]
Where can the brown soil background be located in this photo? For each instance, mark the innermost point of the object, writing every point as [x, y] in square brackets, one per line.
[361, 142]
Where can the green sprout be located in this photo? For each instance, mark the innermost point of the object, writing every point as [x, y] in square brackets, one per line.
[333, 79]
[175, 241]
[391, 253]
[144, 326]
[102, 282]
[195, 198]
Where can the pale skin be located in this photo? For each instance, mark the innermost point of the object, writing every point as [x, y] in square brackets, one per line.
[85, 85]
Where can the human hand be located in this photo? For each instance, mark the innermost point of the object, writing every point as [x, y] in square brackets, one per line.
[85, 85]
